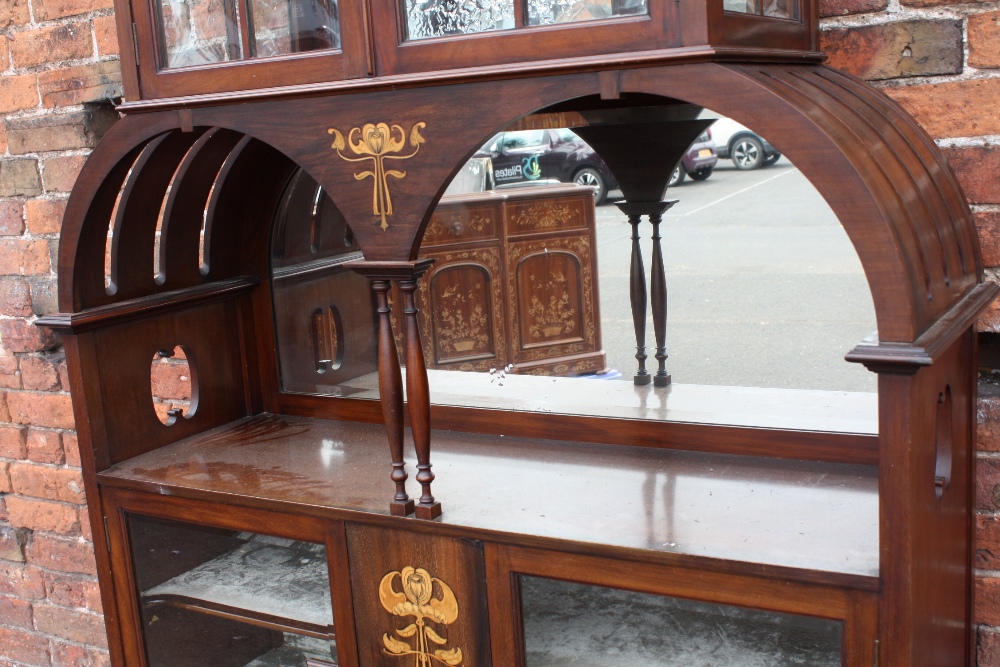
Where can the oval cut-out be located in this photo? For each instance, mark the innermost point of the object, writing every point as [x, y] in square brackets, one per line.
[173, 385]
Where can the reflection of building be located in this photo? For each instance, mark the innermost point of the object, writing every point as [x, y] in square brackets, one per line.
[528, 252]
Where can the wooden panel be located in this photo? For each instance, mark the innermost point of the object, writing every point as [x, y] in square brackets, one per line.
[404, 582]
[210, 335]
[462, 310]
[565, 213]
[460, 222]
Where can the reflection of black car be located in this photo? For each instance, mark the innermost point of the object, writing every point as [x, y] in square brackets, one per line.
[532, 155]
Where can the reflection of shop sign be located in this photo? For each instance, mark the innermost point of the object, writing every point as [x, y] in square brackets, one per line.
[529, 169]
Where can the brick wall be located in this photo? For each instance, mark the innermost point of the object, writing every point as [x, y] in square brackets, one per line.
[58, 69]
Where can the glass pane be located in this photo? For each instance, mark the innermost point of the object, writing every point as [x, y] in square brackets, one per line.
[742, 6]
[545, 12]
[591, 626]
[294, 26]
[212, 597]
[782, 9]
[198, 32]
[435, 18]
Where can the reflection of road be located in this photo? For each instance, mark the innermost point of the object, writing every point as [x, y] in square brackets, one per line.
[765, 288]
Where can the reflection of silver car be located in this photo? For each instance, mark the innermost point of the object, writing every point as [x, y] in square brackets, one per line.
[746, 148]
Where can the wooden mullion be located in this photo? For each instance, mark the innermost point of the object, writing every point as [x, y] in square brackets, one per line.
[246, 40]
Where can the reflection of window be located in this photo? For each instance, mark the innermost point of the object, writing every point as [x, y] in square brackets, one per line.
[199, 32]
[526, 139]
[782, 9]
[545, 12]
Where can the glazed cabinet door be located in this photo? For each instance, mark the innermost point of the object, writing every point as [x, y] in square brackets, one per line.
[209, 586]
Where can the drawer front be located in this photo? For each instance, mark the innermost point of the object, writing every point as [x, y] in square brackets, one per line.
[418, 594]
[461, 223]
[553, 214]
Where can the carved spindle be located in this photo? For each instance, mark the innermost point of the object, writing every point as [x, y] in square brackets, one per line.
[658, 289]
[637, 294]
[418, 401]
[390, 385]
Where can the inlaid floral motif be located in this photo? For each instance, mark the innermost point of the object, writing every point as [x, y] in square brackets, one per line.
[378, 143]
[417, 600]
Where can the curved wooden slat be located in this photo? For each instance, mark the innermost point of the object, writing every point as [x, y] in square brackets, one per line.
[184, 210]
[134, 226]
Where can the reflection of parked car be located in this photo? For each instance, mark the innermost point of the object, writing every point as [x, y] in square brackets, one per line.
[747, 149]
[533, 155]
[698, 162]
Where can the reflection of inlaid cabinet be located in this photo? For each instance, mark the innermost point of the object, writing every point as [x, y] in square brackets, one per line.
[513, 282]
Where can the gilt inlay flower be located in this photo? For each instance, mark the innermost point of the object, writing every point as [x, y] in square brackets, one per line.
[417, 600]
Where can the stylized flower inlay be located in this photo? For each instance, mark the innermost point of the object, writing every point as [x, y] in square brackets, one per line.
[378, 142]
[417, 600]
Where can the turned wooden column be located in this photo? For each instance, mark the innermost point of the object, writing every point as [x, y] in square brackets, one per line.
[658, 289]
[637, 296]
[406, 275]
[418, 398]
[390, 386]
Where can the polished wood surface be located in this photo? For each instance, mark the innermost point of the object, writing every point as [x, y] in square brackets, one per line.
[762, 513]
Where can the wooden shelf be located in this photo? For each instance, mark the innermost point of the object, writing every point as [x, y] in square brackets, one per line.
[789, 519]
[280, 584]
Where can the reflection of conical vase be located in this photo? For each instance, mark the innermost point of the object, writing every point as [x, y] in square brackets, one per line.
[464, 345]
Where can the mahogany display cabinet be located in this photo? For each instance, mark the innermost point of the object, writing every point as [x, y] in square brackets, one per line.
[278, 519]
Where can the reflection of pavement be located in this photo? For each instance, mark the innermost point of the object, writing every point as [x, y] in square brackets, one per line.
[765, 288]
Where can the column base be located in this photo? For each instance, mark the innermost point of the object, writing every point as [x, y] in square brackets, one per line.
[642, 380]
[428, 512]
[401, 508]
[661, 380]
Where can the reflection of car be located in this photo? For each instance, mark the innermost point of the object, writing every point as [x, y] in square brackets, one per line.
[698, 162]
[532, 155]
[746, 148]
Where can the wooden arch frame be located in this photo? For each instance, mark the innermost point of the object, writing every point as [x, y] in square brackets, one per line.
[883, 177]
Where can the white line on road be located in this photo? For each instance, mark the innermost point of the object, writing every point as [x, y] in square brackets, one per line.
[739, 192]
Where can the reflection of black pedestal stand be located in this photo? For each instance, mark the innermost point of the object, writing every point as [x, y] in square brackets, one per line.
[658, 289]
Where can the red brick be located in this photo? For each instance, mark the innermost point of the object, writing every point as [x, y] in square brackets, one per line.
[984, 40]
[988, 226]
[11, 218]
[12, 542]
[63, 371]
[71, 590]
[46, 10]
[60, 173]
[171, 380]
[842, 7]
[5, 486]
[4, 64]
[13, 12]
[15, 612]
[19, 336]
[22, 646]
[988, 600]
[39, 373]
[77, 85]
[988, 648]
[891, 50]
[85, 529]
[12, 442]
[45, 447]
[988, 541]
[71, 447]
[44, 515]
[63, 555]
[976, 169]
[4, 410]
[107, 35]
[60, 132]
[24, 257]
[953, 109]
[15, 298]
[78, 626]
[44, 216]
[40, 481]
[74, 655]
[18, 92]
[51, 44]
[19, 178]
[51, 410]
[988, 485]
[10, 377]
[24, 581]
